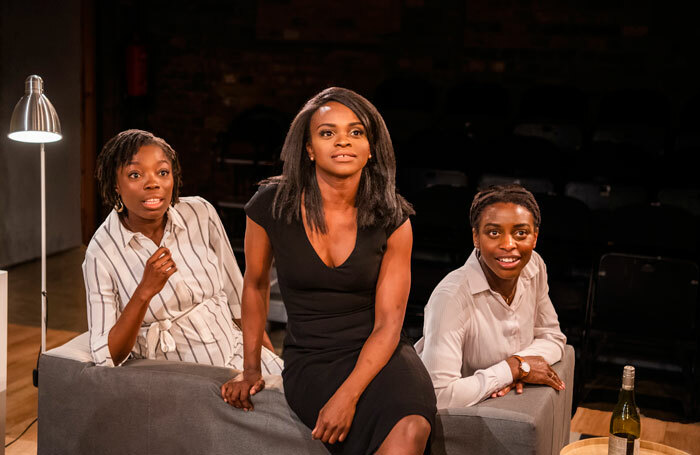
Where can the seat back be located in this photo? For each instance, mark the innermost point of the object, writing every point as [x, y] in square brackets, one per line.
[648, 297]
[535, 185]
[554, 113]
[684, 198]
[654, 229]
[565, 233]
[606, 197]
[441, 223]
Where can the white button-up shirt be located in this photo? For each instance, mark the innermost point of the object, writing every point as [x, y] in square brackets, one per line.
[469, 331]
[191, 318]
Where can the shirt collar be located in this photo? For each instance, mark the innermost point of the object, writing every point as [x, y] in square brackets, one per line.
[477, 278]
[124, 236]
[175, 219]
[475, 275]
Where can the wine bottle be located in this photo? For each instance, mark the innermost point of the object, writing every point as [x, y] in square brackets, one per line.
[625, 425]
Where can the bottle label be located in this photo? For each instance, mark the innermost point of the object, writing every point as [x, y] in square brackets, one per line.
[622, 446]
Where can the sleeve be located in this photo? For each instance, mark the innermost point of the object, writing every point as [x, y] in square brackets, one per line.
[394, 226]
[445, 328]
[549, 341]
[228, 266]
[259, 207]
[102, 308]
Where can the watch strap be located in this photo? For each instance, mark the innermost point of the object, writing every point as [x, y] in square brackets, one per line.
[520, 367]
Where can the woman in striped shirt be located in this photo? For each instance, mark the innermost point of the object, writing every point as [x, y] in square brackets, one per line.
[160, 276]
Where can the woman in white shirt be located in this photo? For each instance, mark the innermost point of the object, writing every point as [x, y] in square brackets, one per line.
[160, 275]
[490, 325]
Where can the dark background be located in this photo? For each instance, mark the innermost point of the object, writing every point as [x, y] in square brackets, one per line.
[592, 105]
[210, 61]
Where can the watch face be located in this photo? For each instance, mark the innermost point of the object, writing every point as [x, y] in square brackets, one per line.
[525, 367]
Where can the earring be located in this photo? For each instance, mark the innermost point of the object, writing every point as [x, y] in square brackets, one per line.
[370, 156]
[119, 206]
[311, 157]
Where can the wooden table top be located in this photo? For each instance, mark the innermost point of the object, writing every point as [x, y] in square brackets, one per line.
[599, 446]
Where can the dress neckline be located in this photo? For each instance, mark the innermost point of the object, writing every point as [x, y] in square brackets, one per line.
[315, 253]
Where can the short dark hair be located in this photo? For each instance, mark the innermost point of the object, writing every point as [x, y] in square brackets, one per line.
[512, 193]
[118, 151]
[377, 201]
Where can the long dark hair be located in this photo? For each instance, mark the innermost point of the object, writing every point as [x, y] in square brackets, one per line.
[377, 202]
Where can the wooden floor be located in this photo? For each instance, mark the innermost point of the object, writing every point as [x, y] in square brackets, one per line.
[23, 343]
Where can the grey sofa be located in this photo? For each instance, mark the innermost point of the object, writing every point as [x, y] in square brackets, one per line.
[155, 407]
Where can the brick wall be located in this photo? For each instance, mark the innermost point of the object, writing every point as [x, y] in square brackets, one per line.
[210, 60]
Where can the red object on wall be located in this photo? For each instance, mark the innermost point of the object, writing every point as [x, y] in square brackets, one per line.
[136, 70]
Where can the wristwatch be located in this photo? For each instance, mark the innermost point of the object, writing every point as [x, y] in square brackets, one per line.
[524, 367]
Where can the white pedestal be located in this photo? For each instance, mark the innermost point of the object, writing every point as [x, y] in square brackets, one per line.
[3, 354]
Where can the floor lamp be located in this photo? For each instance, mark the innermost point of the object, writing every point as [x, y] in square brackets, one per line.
[35, 120]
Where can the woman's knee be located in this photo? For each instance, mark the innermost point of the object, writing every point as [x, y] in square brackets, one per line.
[414, 427]
[409, 435]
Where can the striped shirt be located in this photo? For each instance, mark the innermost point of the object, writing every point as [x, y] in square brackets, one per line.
[196, 306]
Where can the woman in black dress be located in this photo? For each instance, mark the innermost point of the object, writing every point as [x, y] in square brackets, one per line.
[341, 240]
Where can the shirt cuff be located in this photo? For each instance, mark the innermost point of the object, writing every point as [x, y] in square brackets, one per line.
[503, 374]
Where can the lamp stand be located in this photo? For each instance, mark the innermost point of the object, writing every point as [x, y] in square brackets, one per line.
[43, 249]
[34, 120]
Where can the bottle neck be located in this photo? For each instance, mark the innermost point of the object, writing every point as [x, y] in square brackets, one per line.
[626, 395]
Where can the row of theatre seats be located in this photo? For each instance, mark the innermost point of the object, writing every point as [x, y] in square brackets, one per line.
[545, 130]
[622, 265]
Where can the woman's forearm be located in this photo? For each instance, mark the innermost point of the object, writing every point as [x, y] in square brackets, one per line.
[266, 341]
[458, 391]
[122, 336]
[253, 317]
[376, 352]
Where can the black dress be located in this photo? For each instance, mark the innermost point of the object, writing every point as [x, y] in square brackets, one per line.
[330, 315]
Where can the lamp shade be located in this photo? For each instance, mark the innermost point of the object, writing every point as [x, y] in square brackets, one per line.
[34, 118]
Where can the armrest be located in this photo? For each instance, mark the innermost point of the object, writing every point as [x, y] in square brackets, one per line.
[536, 422]
[166, 407]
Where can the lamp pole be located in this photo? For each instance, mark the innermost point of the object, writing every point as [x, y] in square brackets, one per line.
[43, 247]
[34, 120]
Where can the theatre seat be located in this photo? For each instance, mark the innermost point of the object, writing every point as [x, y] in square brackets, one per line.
[161, 407]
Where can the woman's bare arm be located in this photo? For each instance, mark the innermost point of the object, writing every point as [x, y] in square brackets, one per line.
[256, 293]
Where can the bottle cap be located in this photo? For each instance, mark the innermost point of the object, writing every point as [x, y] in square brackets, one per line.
[628, 377]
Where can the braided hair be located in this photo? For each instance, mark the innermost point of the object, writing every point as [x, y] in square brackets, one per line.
[512, 193]
[118, 151]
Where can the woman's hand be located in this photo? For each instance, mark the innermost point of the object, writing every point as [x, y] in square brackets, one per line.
[335, 418]
[237, 391]
[158, 269]
[542, 373]
[517, 385]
